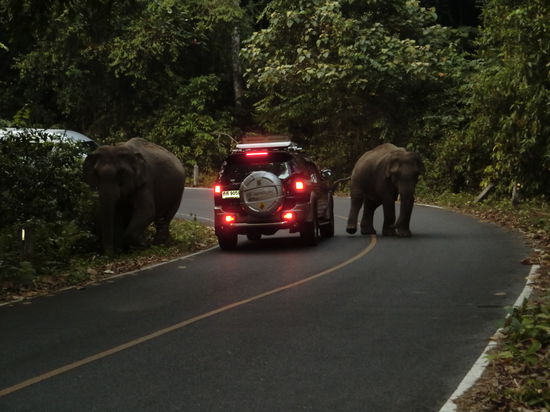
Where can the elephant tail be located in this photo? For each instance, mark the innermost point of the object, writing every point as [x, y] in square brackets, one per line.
[337, 182]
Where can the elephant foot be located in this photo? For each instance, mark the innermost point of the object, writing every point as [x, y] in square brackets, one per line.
[368, 231]
[403, 233]
[390, 231]
[162, 240]
[162, 235]
[351, 230]
[136, 242]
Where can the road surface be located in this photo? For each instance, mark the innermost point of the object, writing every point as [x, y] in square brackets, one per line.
[357, 323]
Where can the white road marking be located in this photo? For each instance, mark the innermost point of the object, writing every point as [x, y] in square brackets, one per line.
[481, 363]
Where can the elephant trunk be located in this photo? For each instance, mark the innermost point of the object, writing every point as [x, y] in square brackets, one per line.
[108, 198]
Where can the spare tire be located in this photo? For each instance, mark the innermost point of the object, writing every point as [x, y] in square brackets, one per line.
[261, 193]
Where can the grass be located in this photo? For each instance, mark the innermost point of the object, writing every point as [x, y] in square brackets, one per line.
[83, 270]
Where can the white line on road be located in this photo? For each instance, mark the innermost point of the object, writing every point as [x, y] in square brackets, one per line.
[481, 363]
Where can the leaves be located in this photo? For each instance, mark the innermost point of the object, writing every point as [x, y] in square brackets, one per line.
[510, 96]
[350, 70]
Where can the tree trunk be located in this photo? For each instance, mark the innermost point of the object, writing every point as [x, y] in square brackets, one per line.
[237, 69]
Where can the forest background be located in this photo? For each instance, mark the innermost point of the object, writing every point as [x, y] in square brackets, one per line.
[465, 83]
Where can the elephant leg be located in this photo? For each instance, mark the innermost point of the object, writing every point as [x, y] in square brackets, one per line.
[141, 218]
[120, 224]
[162, 234]
[135, 232]
[402, 224]
[356, 202]
[162, 224]
[367, 227]
[388, 228]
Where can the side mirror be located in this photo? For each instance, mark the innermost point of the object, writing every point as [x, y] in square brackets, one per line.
[326, 173]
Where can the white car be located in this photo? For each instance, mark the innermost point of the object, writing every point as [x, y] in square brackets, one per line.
[61, 135]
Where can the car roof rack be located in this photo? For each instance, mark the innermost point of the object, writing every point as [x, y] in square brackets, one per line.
[271, 142]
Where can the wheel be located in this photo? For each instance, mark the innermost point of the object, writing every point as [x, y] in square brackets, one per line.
[228, 241]
[327, 230]
[254, 236]
[261, 193]
[310, 232]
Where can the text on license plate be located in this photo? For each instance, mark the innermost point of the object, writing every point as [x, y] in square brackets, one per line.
[228, 194]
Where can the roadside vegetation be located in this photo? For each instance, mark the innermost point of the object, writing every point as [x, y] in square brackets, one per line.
[466, 84]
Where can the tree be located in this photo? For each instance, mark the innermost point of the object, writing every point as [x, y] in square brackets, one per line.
[356, 71]
[115, 70]
[507, 141]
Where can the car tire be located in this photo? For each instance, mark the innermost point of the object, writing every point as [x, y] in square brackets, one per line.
[227, 241]
[311, 232]
[327, 230]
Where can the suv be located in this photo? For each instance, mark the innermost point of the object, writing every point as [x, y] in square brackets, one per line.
[267, 186]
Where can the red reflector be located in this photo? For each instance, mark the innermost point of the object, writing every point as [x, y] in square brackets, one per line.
[299, 185]
[288, 216]
[217, 189]
[256, 153]
[229, 218]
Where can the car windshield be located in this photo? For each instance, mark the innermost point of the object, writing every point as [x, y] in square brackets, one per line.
[239, 168]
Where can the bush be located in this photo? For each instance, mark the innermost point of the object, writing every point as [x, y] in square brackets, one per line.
[46, 209]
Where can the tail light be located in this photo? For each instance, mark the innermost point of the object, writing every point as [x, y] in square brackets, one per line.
[288, 216]
[217, 189]
[229, 218]
[299, 185]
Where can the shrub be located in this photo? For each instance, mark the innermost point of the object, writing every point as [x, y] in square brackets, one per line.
[46, 209]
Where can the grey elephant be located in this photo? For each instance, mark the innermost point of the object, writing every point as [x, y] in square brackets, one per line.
[139, 183]
[378, 178]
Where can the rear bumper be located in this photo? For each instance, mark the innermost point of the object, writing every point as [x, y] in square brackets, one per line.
[245, 223]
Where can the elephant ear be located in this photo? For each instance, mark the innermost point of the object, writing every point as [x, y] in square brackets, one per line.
[140, 168]
[89, 170]
[392, 166]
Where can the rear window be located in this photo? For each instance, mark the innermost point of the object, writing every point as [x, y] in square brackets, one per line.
[238, 167]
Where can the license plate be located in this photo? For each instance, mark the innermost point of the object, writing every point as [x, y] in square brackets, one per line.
[230, 194]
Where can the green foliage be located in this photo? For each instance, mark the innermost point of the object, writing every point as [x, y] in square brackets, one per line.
[113, 69]
[352, 71]
[189, 126]
[526, 345]
[507, 99]
[43, 195]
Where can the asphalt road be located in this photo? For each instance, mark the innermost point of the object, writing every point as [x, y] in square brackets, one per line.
[354, 324]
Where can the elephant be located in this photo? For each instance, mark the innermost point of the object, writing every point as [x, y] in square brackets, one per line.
[139, 183]
[378, 177]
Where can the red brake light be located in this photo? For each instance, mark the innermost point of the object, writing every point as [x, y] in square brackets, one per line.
[264, 153]
[288, 216]
[229, 218]
[299, 185]
[217, 189]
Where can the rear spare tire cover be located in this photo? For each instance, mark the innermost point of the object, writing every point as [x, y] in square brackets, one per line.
[261, 193]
